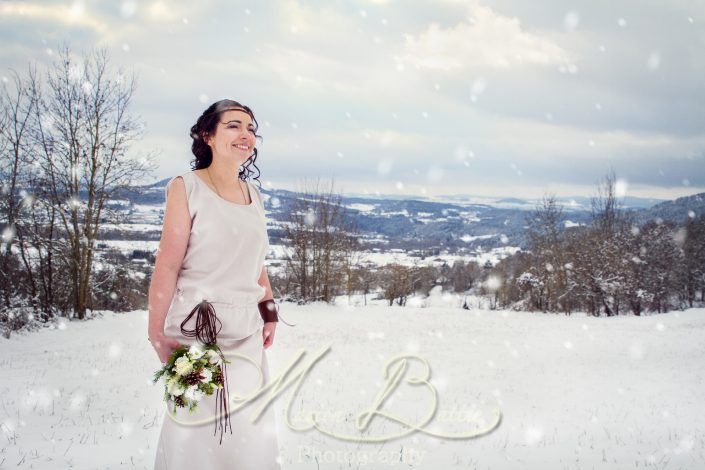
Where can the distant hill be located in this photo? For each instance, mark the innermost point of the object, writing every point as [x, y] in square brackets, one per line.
[676, 210]
[453, 222]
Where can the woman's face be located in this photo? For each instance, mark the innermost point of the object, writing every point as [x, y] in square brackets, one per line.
[234, 137]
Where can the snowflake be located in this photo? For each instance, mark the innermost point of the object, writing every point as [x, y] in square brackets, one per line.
[533, 435]
[115, 350]
[128, 9]
[571, 21]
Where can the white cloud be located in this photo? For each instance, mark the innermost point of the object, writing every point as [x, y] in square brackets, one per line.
[305, 20]
[539, 142]
[303, 70]
[71, 15]
[486, 39]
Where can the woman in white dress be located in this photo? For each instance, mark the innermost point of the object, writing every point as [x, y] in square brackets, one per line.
[211, 262]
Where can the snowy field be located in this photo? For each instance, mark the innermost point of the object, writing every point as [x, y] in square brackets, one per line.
[574, 392]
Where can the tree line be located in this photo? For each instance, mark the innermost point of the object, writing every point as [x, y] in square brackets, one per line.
[611, 266]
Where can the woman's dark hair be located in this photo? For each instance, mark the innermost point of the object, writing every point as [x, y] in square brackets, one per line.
[207, 124]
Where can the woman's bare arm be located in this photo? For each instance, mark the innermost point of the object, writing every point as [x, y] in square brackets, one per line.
[264, 282]
[172, 249]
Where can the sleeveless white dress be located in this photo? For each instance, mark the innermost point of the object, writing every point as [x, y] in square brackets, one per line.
[222, 265]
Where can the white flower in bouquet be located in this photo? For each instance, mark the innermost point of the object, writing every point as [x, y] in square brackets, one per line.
[195, 352]
[213, 356]
[174, 387]
[183, 365]
[193, 393]
[207, 375]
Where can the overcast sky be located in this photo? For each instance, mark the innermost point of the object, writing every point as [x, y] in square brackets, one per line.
[502, 97]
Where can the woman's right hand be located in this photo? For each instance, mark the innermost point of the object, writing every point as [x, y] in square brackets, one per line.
[163, 345]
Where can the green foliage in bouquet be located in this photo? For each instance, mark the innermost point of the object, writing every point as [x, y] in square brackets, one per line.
[190, 374]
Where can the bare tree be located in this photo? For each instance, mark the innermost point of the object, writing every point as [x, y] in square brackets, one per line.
[17, 106]
[365, 276]
[84, 132]
[396, 281]
[609, 245]
[607, 209]
[664, 259]
[463, 275]
[693, 244]
[322, 241]
[546, 242]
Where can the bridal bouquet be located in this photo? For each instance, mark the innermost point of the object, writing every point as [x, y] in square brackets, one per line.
[190, 374]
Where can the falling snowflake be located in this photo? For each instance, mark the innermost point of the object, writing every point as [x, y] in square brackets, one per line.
[620, 187]
[77, 9]
[493, 282]
[654, 60]
[8, 234]
[571, 20]
[636, 351]
[478, 86]
[310, 218]
[126, 428]
[128, 9]
[440, 383]
[434, 174]
[680, 236]
[115, 350]
[533, 435]
[75, 73]
[78, 398]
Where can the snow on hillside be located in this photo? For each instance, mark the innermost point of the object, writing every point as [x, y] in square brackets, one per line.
[574, 392]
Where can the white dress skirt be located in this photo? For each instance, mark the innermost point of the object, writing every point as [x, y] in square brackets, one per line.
[222, 265]
[189, 445]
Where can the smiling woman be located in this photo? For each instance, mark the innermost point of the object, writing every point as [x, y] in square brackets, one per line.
[232, 115]
[196, 289]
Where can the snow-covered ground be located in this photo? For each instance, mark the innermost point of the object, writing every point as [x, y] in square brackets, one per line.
[574, 392]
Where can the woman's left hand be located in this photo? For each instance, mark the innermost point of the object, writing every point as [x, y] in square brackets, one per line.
[268, 333]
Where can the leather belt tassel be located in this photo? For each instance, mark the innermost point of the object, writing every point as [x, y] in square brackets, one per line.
[206, 332]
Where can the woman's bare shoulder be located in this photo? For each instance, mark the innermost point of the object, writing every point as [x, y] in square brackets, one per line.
[177, 199]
